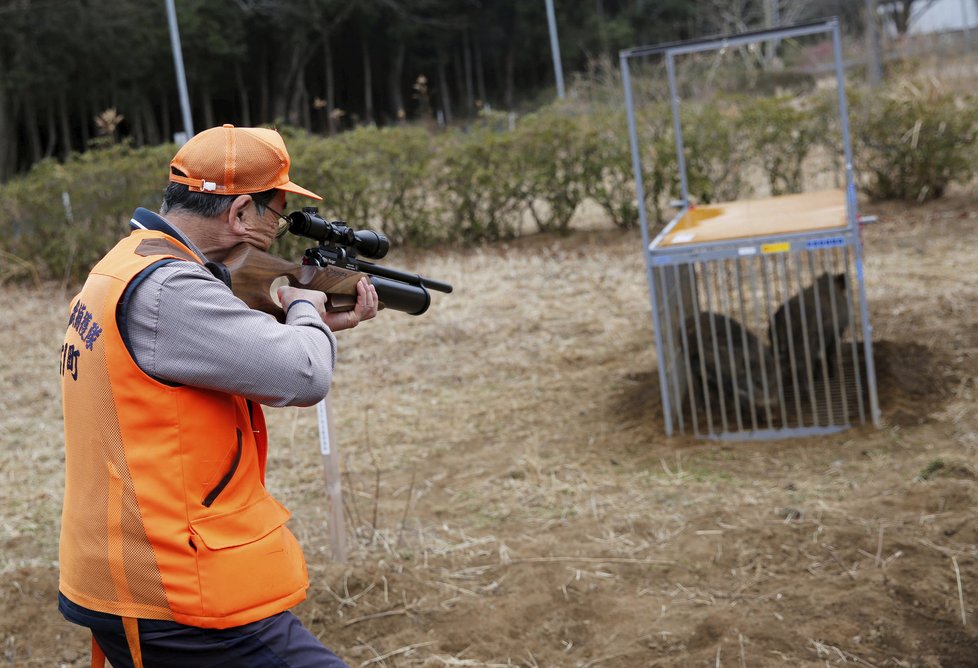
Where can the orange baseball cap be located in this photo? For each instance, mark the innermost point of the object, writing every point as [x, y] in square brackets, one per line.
[235, 161]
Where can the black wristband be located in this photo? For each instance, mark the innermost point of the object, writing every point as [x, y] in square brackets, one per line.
[299, 301]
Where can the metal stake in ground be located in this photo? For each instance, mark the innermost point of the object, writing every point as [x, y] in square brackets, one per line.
[331, 472]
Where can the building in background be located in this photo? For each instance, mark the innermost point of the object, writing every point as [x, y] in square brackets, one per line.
[944, 16]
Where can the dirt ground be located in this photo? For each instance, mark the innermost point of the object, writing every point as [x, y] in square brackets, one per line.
[511, 499]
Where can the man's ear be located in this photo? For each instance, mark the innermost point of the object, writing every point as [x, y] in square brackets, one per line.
[236, 213]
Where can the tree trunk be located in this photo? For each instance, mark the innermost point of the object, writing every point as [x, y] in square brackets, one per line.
[86, 123]
[94, 111]
[459, 80]
[294, 109]
[330, 83]
[368, 93]
[65, 124]
[243, 100]
[510, 81]
[467, 63]
[149, 122]
[263, 93]
[901, 16]
[208, 105]
[873, 63]
[444, 94]
[33, 132]
[286, 94]
[165, 116]
[52, 132]
[135, 119]
[602, 30]
[299, 112]
[8, 138]
[394, 77]
[480, 78]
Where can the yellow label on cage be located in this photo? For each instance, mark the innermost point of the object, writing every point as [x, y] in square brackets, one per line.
[780, 247]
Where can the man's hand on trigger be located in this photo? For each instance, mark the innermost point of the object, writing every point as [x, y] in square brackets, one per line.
[366, 308]
[287, 295]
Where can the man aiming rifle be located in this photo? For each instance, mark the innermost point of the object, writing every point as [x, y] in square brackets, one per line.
[172, 550]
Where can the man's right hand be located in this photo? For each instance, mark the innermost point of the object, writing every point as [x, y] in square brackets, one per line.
[365, 308]
[288, 294]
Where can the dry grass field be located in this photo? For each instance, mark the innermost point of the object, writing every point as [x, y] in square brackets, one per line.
[511, 498]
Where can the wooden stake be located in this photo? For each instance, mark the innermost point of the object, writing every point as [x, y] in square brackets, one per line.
[331, 472]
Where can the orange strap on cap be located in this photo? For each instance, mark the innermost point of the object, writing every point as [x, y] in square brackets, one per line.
[197, 185]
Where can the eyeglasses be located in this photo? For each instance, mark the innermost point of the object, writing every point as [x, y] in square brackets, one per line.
[283, 221]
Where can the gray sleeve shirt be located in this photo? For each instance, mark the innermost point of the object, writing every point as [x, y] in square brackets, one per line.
[185, 326]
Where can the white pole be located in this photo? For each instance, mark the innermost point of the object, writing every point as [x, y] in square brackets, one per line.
[188, 125]
[555, 48]
[331, 472]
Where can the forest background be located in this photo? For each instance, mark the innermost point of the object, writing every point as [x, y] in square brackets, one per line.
[71, 70]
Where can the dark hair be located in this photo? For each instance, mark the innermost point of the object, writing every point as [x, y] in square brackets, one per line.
[179, 196]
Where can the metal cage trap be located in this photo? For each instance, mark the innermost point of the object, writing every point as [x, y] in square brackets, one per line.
[758, 306]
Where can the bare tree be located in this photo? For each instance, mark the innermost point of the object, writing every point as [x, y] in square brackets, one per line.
[903, 13]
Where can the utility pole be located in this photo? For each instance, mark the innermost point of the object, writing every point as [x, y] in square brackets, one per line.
[772, 19]
[188, 125]
[874, 72]
[555, 48]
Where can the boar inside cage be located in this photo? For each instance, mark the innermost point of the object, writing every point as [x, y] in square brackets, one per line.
[766, 339]
[758, 305]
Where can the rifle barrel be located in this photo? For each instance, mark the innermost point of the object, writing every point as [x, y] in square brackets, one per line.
[397, 275]
[432, 284]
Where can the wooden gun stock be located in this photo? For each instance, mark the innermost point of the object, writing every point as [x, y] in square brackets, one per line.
[253, 272]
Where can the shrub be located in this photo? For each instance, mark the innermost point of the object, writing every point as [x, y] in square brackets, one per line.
[780, 132]
[660, 165]
[476, 185]
[609, 176]
[372, 177]
[551, 147]
[913, 139]
[103, 187]
[606, 160]
[715, 150]
[479, 185]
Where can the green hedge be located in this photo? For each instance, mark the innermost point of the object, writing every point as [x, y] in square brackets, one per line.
[914, 139]
[499, 178]
[63, 239]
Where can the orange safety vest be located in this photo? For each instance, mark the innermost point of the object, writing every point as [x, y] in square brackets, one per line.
[166, 515]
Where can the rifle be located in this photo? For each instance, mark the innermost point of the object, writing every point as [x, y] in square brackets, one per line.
[331, 267]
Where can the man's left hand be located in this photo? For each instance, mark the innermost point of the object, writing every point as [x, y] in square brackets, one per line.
[366, 308]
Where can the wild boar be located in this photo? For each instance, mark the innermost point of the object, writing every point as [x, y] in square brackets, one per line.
[737, 367]
[788, 331]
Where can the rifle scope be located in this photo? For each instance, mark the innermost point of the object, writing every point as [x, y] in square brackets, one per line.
[308, 223]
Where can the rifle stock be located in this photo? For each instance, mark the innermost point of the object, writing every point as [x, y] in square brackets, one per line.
[253, 272]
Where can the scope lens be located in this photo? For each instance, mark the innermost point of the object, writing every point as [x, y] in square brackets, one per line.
[372, 244]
